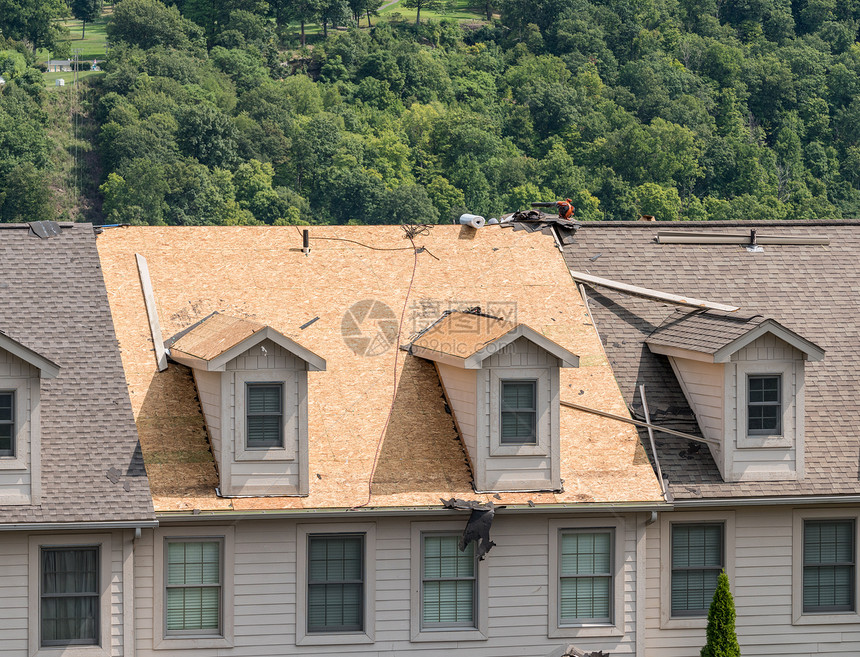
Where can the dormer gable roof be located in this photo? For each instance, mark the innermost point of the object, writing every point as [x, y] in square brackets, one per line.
[713, 336]
[47, 368]
[217, 339]
[466, 339]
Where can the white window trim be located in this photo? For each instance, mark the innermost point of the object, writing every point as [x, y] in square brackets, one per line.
[23, 422]
[543, 418]
[291, 415]
[368, 634]
[160, 639]
[799, 617]
[790, 404]
[667, 622]
[482, 590]
[616, 626]
[37, 542]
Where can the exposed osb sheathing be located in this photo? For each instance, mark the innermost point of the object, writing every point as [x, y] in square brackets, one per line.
[261, 273]
[215, 335]
[463, 334]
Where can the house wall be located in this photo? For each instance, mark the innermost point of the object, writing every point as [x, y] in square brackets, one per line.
[460, 389]
[761, 574]
[209, 391]
[526, 467]
[17, 473]
[17, 613]
[265, 582]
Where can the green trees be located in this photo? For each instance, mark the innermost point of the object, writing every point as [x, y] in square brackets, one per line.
[418, 5]
[722, 639]
[86, 11]
[148, 23]
[34, 21]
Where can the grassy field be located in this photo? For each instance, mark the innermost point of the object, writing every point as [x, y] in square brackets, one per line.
[458, 10]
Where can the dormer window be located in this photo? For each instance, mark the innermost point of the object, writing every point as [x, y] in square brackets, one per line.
[7, 424]
[265, 415]
[501, 381]
[764, 405]
[519, 413]
[253, 388]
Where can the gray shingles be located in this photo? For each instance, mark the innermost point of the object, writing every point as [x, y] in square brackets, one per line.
[707, 332]
[53, 299]
[814, 290]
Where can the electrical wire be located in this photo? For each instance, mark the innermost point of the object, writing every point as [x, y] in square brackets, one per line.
[379, 442]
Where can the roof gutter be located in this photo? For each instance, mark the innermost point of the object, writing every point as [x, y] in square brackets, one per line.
[73, 526]
[805, 500]
[166, 517]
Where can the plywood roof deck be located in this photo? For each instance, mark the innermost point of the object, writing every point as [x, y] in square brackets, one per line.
[261, 274]
[215, 335]
[463, 334]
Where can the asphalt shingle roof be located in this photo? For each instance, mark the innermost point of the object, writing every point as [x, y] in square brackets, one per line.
[707, 332]
[813, 290]
[53, 300]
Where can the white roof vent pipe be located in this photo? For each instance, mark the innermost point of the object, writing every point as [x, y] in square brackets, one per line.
[473, 220]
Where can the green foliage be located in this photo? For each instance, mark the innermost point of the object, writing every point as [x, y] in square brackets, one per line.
[722, 639]
[148, 23]
[34, 21]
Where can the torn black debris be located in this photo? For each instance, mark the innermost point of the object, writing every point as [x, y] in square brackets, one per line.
[478, 527]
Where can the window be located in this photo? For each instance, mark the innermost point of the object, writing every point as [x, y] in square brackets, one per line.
[335, 583]
[193, 587]
[764, 405]
[69, 590]
[519, 413]
[697, 559]
[448, 583]
[828, 566]
[265, 415]
[585, 577]
[7, 424]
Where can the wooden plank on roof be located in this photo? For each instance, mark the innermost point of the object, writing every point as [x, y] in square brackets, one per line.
[647, 293]
[151, 312]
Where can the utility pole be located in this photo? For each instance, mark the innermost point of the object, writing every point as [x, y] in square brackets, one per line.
[77, 169]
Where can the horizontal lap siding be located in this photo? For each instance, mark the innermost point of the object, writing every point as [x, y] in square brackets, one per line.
[762, 589]
[265, 593]
[13, 595]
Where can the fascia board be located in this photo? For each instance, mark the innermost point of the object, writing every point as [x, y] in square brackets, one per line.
[813, 352]
[315, 363]
[439, 357]
[48, 368]
[677, 352]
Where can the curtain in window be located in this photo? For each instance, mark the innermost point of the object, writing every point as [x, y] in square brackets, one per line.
[193, 585]
[828, 566]
[335, 583]
[449, 582]
[697, 559]
[586, 576]
[70, 599]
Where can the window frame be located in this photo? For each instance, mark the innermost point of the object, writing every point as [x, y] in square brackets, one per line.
[361, 580]
[546, 421]
[293, 413]
[533, 410]
[799, 615]
[12, 451]
[792, 419]
[622, 574]
[71, 643]
[419, 632]
[105, 590]
[780, 405]
[162, 638]
[220, 586]
[610, 575]
[27, 438]
[250, 385]
[695, 613]
[727, 518]
[365, 635]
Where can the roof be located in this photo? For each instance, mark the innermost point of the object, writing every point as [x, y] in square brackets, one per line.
[53, 302]
[813, 289]
[260, 273]
[466, 339]
[215, 340]
[719, 335]
[47, 368]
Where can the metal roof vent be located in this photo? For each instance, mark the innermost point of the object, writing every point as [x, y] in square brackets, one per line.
[44, 229]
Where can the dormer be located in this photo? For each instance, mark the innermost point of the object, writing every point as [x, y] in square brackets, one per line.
[21, 371]
[501, 381]
[744, 379]
[253, 388]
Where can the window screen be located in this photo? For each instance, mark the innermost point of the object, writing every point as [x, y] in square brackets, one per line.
[335, 583]
[697, 559]
[519, 413]
[69, 596]
[764, 405]
[193, 585]
[7, 424]
[828, 565]
[265, 415]
[585, 572]
[448, 583]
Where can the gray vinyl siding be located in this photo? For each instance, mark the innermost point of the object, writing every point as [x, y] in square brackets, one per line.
[15, 614]
[762, 589]
[209, 391]
[460, 388]
[15, 485]
[265, 593]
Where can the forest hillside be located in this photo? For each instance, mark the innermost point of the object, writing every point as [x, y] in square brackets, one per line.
[215, 113]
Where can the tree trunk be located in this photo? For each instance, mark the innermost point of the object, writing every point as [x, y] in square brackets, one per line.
[303, 32]
[418, 15]
[325, 29]
[489, 12]
[83, 29]
[369, 24]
